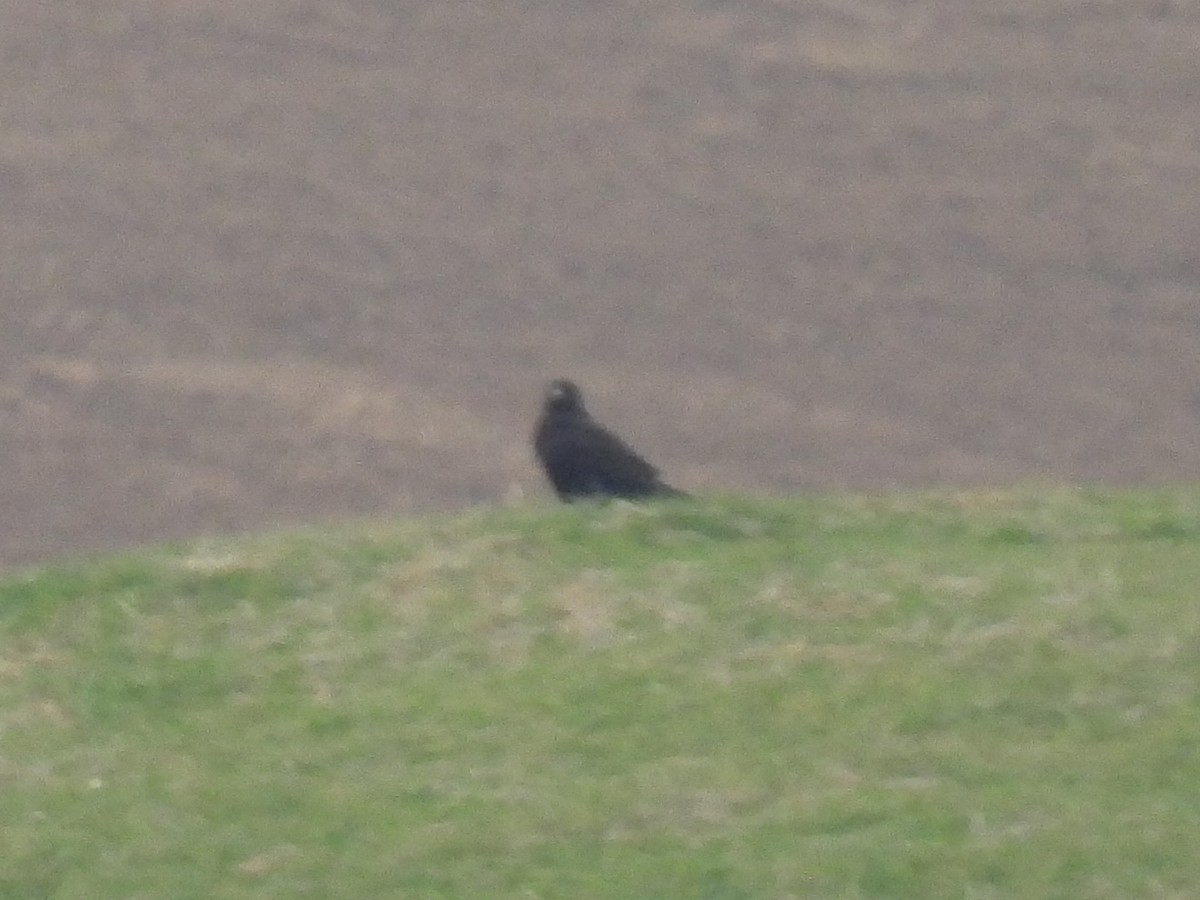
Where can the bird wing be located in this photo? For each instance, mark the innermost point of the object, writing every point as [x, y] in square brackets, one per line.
[612, 466]
[583, 458]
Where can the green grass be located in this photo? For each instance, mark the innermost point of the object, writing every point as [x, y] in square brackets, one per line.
[917, 695]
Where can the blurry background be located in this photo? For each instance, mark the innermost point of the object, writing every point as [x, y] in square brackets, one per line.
[302, 259]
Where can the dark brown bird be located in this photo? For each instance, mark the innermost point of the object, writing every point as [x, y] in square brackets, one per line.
[583, 459]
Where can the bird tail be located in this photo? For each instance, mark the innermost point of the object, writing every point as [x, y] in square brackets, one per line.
[662, 489]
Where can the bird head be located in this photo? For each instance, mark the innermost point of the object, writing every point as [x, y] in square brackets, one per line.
[562, 395]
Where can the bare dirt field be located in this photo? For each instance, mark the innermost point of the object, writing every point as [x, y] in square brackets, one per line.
[298, 260]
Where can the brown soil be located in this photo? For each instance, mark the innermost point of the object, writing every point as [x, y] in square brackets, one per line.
[292, 259]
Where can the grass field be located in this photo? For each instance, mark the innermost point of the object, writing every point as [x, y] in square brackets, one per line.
[909, 695]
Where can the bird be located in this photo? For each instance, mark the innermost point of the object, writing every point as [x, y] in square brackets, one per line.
[583, 459]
